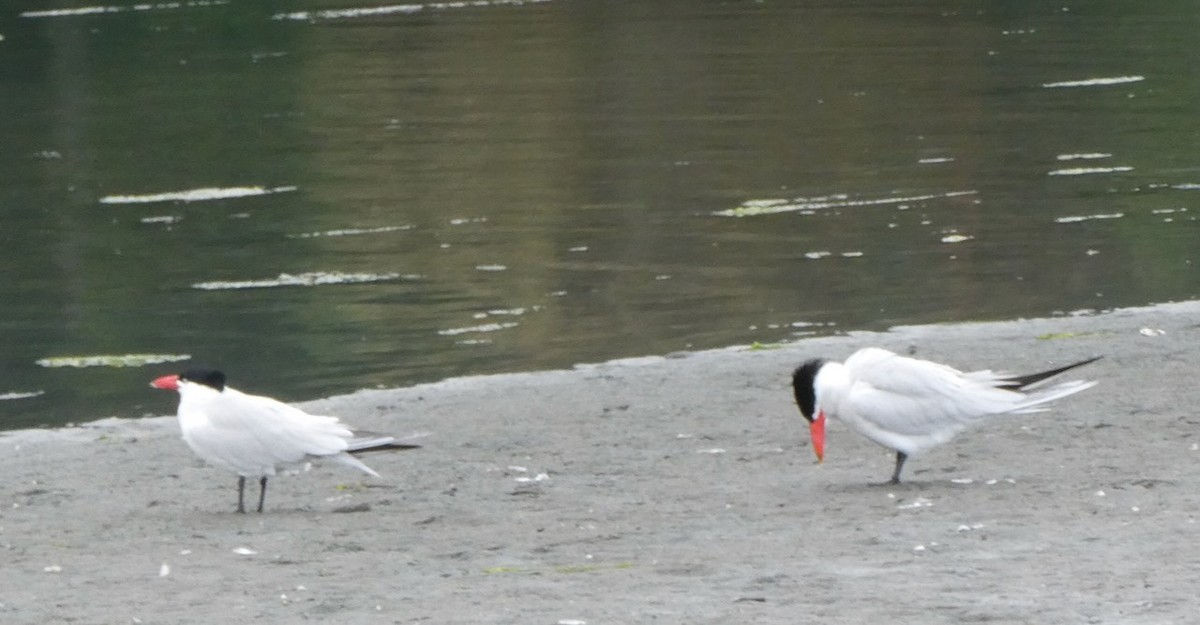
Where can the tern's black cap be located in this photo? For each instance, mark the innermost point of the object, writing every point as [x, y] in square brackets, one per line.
[208, 377]
[803, 379]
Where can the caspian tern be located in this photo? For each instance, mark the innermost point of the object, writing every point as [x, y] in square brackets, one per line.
[253, 435]
[911, 405]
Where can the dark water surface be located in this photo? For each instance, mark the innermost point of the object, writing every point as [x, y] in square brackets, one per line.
[508, 186]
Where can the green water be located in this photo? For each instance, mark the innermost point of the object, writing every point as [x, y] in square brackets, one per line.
[546, 181]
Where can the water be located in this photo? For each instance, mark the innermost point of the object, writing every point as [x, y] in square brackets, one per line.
[518, 186]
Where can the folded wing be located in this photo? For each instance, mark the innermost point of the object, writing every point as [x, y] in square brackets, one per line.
[919, 398]
[254, 434]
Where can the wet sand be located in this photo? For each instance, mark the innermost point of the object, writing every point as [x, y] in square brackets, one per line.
[679, 489]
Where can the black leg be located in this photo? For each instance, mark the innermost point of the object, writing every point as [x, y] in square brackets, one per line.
[900, 458]
[262, 492]
[241, 493]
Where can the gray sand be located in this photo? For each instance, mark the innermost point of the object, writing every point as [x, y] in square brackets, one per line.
[672, 490]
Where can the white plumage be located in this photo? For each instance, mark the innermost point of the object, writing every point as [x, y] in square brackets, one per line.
[254, 436]
[911, 405]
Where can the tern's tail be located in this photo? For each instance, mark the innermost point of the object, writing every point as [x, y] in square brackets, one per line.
[351, 461]
[374, 441]
[1023, 382]
[1033, 401]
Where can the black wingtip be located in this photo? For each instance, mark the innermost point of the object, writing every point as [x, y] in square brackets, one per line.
[1025, 381]
[374, 441]
[385, 447]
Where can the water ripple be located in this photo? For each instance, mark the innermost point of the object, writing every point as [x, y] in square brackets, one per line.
[96, 10]
[312, 278]
[1083, 171]
[195, 195]
[20, 395]
[1076, 218]
[348, 232]
[1094, 82]
[111, 360]
[333, 14]
[751, 208]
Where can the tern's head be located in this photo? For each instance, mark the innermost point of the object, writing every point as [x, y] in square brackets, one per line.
[804, 386]
[804, 380]
[210, 378]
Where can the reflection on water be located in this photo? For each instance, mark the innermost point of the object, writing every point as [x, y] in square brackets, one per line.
[441, 189]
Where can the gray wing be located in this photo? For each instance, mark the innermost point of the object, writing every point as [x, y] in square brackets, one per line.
[916, 397]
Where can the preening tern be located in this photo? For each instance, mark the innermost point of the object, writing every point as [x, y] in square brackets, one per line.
[911, 405]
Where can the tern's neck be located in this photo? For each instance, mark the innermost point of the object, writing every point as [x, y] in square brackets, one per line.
[198, 393]
[831, 384]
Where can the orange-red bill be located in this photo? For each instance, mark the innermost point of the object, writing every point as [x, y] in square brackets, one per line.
[817, 429]
[167, 383]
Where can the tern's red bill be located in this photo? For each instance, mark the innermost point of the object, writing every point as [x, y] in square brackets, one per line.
[167, 383]
[817, 429]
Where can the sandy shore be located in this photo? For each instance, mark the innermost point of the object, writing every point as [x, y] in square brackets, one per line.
[671, 490]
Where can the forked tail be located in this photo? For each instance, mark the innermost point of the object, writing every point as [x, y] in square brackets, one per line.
[1033, 401]
[1022, 382]
[374, 441]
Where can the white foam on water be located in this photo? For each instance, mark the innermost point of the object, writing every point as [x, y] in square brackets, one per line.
[1082, 156]
[20, 395]
[1077, 218]
[312, 278]
[111, 360]
[486, 327]
[811, 324]
[956, 238]
[503, 311]
[817, 255]
[97, 10]
[70, 12]
[1094, 82]
[195, 195]
[1083, 171]
[347, 232]
[332, 14]
[160, 219]
[394, 9]
[751, 208]
[932, 161]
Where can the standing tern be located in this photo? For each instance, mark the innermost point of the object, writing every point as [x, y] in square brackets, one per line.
[253, 435]
[911, 405]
